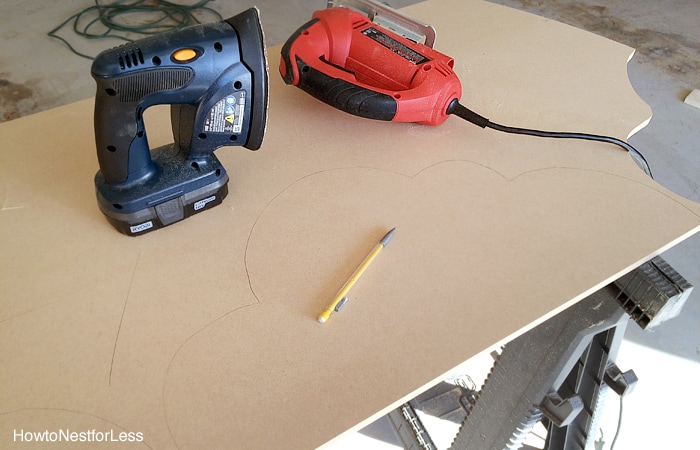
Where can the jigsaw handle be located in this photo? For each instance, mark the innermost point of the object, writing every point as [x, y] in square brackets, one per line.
[343, 59]
[350, 97]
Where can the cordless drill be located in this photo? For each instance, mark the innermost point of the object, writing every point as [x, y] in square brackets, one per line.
[215, 78]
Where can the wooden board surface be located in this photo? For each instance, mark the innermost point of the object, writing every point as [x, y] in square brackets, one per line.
[203, 334]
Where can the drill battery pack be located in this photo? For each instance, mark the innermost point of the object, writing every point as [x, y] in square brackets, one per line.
[182, 189]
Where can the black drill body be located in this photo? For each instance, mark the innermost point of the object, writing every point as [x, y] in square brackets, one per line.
[215, 78]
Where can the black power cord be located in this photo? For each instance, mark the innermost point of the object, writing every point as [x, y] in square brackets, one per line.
[467, 114]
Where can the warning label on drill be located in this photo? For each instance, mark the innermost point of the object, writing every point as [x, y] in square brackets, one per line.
[395, 46]
[227, 115]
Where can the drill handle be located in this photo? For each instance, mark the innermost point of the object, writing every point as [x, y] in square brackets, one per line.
[120, 135]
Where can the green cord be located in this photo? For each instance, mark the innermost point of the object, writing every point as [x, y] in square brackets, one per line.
[109, 20]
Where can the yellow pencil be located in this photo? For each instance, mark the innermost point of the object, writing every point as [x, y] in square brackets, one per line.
[341, 297]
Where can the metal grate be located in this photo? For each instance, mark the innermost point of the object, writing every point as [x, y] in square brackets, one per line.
[653, 293]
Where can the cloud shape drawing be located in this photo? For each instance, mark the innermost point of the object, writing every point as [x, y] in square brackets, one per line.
[472, 261]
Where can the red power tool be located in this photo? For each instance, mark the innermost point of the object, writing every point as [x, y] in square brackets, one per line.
[369, 60]
[349, 57]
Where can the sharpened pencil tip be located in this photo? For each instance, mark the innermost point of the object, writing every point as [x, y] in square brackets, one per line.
[387, 237]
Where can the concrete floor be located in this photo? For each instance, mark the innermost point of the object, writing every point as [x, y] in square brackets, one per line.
[38, 73]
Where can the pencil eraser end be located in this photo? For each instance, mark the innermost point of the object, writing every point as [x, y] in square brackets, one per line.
[324, 316]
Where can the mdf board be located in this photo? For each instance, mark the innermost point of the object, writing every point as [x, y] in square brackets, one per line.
[204, 334]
